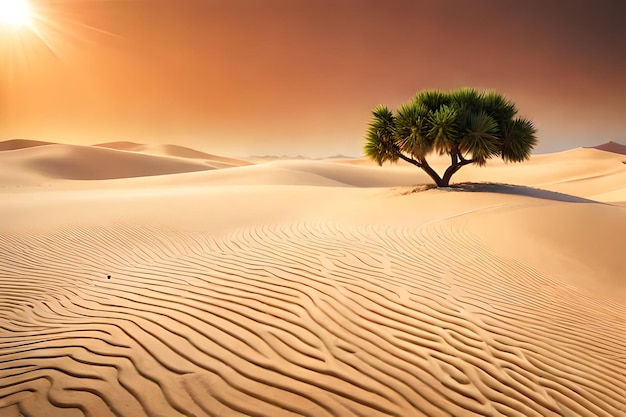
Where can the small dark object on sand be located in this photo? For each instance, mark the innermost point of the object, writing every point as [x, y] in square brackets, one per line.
[108, 276]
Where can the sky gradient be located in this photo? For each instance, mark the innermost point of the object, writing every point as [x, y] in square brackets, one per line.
[242, 77]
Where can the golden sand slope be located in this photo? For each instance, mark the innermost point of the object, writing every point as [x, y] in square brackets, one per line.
[176, 151]
[308, 299]
[71, 162]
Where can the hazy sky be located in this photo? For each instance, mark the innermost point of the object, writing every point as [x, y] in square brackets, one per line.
[294, 77]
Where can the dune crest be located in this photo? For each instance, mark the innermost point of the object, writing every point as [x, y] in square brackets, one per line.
[175, 151]
[73, 162]
[13, 144]
[121, 145]
[612, 147]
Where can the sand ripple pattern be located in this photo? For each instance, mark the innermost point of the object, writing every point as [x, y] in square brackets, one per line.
[314, 319]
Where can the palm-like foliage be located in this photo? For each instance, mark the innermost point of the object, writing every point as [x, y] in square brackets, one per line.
[481, 139]
[518, 139]
[410, 130]
[443, 129]
[380, 143]
[469, 125]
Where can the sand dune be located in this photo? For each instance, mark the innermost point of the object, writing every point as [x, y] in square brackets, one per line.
[311, 288]
[314, 173]
[73, 162]
[612, 147]
[13, 144]
[541, 171]
[579, 172]
[176, 151]
[122, 146]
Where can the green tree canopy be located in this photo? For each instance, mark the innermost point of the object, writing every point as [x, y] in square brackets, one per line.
[470, 126]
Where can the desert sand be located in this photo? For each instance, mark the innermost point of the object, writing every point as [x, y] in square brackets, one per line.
[140, 280]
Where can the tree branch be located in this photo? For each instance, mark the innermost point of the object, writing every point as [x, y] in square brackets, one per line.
[454, 157]
[406, 158]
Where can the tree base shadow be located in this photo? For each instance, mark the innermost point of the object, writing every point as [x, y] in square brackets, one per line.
[494, 187]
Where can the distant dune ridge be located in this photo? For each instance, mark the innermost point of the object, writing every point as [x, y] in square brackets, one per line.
[173, 150]
[89, 163]
[105, 161]
[612, 147]
[13, 144]
[157, 280]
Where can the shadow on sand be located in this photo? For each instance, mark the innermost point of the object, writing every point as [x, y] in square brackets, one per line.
[492, 187]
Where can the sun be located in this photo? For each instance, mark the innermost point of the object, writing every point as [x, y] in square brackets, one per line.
[15, 13]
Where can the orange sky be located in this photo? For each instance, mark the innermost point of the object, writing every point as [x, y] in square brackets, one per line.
[242, 77]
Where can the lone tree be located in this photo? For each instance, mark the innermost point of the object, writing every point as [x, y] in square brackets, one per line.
[469, 125]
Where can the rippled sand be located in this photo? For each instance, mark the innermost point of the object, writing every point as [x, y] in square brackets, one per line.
[310, 288]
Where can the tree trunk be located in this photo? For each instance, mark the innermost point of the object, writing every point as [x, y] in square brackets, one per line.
[457, 162]
[452, 169]
[433, 174]
[444, 181]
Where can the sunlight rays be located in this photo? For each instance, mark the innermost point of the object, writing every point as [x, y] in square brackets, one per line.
[33, 31]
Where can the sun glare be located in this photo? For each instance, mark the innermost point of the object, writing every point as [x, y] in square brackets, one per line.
[15, 13]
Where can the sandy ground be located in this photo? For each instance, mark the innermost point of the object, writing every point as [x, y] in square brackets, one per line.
[142, 280]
